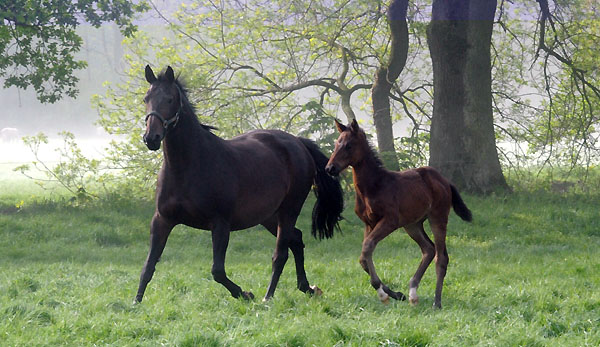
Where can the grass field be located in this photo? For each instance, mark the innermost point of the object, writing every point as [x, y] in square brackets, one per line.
[526, 272]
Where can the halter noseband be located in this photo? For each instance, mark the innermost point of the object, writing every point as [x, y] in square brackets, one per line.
[166, 123]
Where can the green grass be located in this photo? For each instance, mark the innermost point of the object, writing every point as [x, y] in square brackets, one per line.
[526, 272]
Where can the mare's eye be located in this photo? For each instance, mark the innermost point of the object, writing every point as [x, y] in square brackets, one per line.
[145, 99]
[347, 146]
[170, 100]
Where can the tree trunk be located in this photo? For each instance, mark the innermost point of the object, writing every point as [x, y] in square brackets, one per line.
[462, 145]
[385, 77]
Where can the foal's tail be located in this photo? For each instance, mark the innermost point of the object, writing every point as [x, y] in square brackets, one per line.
[330, 198]
[459, 205]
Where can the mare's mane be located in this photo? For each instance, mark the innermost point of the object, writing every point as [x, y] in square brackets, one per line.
[187, 105]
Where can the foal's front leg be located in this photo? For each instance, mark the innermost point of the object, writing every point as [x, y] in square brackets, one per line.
[379, 232]
[220, 241]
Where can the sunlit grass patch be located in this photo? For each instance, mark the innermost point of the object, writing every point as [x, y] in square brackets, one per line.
[525, 272]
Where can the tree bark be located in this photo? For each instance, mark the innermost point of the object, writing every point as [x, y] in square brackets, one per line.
[463, 145]
[385, 77]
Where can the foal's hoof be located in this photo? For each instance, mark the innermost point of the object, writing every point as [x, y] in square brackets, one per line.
[316, 291]
[414, 301]
[247, 296]
[383, 296]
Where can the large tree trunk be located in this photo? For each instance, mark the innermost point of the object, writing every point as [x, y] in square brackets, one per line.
[385, 76]
[462, 145]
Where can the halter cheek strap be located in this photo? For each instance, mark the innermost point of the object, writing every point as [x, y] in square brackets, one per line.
[171, 122]
[165, 122]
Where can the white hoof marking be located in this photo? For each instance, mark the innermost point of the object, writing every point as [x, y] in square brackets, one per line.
[413, 298]
[383, 297]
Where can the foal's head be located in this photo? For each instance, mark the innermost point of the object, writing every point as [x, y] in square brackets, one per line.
[350, 148]
[164, 101]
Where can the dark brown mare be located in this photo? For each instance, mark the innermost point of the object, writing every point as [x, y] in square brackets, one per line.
[262, 177]
[387, 200]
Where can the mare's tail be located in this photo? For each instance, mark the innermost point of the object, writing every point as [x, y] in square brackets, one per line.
[330, 198]
[459, 205]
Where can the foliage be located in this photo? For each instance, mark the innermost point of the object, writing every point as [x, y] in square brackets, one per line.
[545, 87]
[38, 41]
[74, 172]
[249, 66]
[278, 66]
[70, 274]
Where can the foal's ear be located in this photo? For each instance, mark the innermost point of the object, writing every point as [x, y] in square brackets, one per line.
[354, 126]
[340, 127]
[150, 75]
[169, 74]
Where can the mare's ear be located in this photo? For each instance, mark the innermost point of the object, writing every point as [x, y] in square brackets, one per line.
[340, 127]
[354, 126]
[150, 75]
[169, 74]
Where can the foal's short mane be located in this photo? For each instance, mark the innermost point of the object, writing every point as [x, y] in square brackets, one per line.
[187, 105]
[371, 150]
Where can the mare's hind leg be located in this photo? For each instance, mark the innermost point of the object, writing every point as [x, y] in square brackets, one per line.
[280, 255]
[441, 258]
[417, 233]
[220, 241]
[159, 232]
[379, 232]
[297, 247]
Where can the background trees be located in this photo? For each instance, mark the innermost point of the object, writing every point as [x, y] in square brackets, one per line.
[463, 145]
[514, 86]
[38, 41]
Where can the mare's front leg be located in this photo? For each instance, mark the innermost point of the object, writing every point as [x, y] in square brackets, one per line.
[220, 241]
[372, 237]
[159, 232]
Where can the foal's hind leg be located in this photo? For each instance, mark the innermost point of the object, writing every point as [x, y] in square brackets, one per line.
[379, 232]
[441, 258]
[417, 233]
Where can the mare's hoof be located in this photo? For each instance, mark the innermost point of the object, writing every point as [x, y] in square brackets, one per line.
[247, 296]
[437, 306]
[316, 291]
[414, 301]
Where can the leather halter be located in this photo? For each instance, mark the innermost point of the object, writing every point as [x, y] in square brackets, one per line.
[171, 122]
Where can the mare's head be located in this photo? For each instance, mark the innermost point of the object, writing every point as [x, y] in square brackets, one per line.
[164, 101]
[350, 148]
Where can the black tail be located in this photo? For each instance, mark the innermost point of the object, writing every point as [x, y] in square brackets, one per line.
[459, 205]
[330, 198]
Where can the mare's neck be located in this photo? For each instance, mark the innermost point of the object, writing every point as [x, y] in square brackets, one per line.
[367, 173]
[185, 142]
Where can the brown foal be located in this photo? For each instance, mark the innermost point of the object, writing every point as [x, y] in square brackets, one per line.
[387, 200]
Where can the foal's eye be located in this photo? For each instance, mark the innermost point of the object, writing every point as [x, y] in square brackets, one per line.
[170, 100]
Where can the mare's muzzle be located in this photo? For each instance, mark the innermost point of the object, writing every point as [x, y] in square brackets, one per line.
[332, 170]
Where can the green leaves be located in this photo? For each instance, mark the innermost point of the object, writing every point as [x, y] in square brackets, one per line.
[38, 41]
